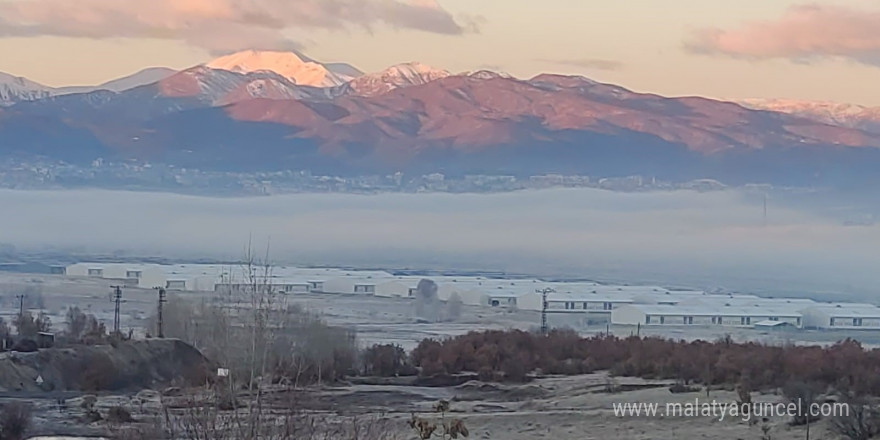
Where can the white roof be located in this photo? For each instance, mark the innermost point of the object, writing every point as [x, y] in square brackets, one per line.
[749, 301]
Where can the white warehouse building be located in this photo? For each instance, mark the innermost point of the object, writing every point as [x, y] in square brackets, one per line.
[349, 286]
[848, 316]
[574, 302]
[397, 289]
[677, 315]
[145, 276]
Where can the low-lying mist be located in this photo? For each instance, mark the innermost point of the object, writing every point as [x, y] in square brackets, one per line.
[713, 239]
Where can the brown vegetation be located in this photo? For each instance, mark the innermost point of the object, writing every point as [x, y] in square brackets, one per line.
[84, 328]
[515, 354]
[387, 361]
[28, 326]
[15, 421]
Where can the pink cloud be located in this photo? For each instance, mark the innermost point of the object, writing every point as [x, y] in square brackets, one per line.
[219, 25]
[802, 33]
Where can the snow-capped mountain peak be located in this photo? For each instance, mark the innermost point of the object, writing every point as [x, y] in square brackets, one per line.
[396, 77]
[287, 64]
[833, 113]
[15, 88]
[488, 74]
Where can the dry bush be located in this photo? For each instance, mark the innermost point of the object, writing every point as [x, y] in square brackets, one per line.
[249, 330]
[100, 374]
[518, 353]
[84, 328]
[443, 427]
[118, 414]
[387, 360]
[202, 419]
[28, 326]
[803, 395]
[15, 421]
[860, 422]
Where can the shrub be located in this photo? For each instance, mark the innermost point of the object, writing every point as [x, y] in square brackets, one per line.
[118, 414]
[723, 363]
[15, 421]
[681, 388]
[386, 361]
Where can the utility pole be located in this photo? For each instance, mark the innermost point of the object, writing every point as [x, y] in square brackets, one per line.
[544, 305]
[20, 306]
[117, 298]
[162, 301]
[20, 314]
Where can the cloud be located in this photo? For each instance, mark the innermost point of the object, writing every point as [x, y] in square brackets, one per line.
[803, 33]
[220, 25]
[588, 63]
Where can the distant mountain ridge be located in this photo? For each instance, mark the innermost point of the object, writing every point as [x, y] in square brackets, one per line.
[284, 111]
[834, 113]
[17, 89]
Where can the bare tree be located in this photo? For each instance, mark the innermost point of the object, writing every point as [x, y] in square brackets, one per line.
[250, 330]
[28, 326]
[76, 322]
[803, 395]
[15, 421]
[861, 421]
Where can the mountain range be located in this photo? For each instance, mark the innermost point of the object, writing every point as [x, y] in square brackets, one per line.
[260, 111]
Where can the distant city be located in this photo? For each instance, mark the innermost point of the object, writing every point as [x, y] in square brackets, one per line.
[144, 176]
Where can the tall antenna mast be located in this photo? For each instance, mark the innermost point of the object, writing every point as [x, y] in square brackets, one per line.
[162, 300]
[544, 306]
[20, 306]
[117, 298]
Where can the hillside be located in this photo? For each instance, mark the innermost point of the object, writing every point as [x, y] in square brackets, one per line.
[256, 111]
[125, 366]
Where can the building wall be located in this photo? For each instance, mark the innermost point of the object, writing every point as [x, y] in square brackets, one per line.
[292, 288]
[628, 315]
[149, 276]
[152, 278]
[339, 285]
[498, 301]
[364, 289]
[574, 305]
[848, 322]
[821, 318]
[530, 301]
[394, 289]
[632, 315]
[176, 285]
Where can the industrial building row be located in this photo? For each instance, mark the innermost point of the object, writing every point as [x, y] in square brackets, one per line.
[637, 306]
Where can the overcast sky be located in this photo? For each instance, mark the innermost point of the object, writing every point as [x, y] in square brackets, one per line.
[824, 49]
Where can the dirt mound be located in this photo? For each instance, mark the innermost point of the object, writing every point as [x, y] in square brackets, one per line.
[477, 386]
[121, 366]
[482, 390]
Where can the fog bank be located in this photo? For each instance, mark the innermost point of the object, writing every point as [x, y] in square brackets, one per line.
[715, 239]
